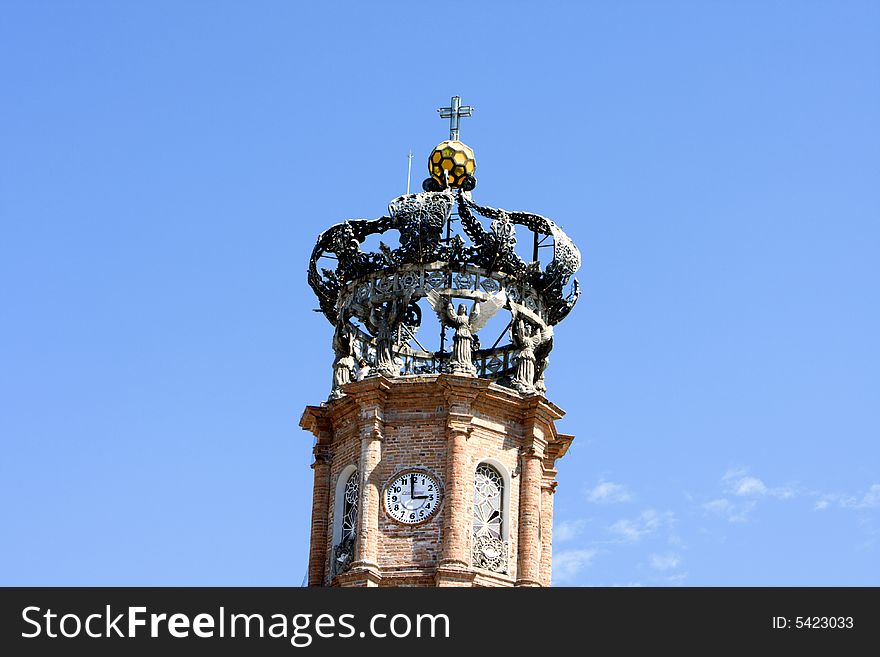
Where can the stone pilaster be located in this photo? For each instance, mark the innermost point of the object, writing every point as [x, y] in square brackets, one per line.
[315, 421]
[365, 567]
[557, 446]
[455, 540]
[455, 560]
[320, 515]
[547, 490]
[528, 541]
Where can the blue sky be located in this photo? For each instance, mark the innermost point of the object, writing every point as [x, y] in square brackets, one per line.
[166, 167]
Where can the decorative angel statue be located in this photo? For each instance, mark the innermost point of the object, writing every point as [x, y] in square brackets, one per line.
[343, 348]
[382, 322]
[527, 338]
[542, 362]
[465, 325]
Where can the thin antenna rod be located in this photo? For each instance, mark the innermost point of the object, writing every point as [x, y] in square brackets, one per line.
[408, 172]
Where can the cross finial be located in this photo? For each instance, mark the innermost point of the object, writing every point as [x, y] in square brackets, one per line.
[454, 113]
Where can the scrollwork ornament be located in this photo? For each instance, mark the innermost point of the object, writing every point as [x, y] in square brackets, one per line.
[343, 554]
[490, 553]
[378, 291]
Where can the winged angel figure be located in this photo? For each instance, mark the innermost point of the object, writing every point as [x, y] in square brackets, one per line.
[383, 320]
[465, 325]
[343, 348]
[534, 346]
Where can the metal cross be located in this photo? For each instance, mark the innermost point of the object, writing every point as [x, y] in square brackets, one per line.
[454, 114]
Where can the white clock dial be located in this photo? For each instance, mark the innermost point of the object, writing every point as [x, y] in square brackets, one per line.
[412, 497]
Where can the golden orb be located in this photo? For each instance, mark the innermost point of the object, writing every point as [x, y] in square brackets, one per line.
[452, 162]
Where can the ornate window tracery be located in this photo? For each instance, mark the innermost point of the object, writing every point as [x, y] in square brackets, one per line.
[489, 546]
[350, 506]
[343, 552]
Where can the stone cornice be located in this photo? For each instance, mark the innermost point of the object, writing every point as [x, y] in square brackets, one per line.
[557, 447]
[372, 389]
[315, 420]
[463, 397]
[454, 385]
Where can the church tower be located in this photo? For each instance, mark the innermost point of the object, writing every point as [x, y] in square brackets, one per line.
[435, 452]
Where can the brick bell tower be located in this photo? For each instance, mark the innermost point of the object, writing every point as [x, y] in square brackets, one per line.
[435, 465]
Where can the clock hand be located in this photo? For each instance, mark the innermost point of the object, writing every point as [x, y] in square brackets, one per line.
[417, 497]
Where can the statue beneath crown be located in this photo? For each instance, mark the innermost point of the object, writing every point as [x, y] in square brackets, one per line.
[466, 326]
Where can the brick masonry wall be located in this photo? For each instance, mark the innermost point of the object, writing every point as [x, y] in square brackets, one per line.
[416, 420]
[415, 437]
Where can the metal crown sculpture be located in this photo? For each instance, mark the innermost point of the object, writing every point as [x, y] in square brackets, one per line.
[372, 298]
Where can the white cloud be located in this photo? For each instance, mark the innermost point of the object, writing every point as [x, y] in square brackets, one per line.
[665, 561]
[608, 492]
[567, 530]
[732, 512]
[743, 491]
[738, 483]
[786, 492]
[648, 522]
[750, 486]
[677, 579]
[872, 497]
[720, 506]
[870, 500]
[567, 564]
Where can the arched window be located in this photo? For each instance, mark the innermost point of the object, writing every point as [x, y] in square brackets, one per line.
[490, 526]
[345, 519]
[350, 507]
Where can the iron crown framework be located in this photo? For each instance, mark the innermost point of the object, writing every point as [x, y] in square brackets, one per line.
[372, 297]
[445, 252]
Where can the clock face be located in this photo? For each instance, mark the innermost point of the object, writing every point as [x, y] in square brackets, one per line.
[412, 497]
